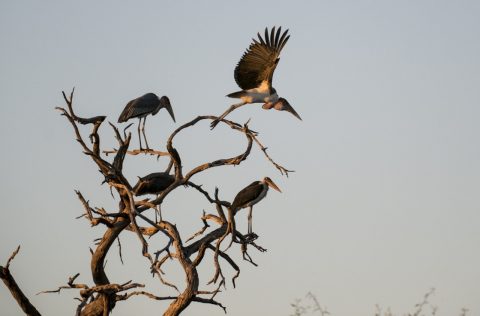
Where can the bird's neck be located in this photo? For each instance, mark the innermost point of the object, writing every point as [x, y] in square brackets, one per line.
[265, 186]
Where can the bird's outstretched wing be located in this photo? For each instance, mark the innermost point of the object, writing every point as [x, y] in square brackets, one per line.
[260, 60]
[140, 106]
[247, 194]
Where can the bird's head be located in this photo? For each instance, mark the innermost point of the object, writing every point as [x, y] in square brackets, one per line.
[165, 103]
[271, 184]
[283, 105]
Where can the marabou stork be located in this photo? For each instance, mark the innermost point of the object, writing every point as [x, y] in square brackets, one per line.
[254, 73]
[251, 195]
[141, 107]
[153, 183]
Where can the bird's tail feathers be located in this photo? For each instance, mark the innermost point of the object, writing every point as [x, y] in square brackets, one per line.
[237, 94]
[124, 116]
[121, 119]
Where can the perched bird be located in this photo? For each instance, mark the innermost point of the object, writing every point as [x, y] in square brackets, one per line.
[141, 107]
[154, 183]
[251, 195]
[254, 73]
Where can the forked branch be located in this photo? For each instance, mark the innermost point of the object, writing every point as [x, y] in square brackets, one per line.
[100, 298]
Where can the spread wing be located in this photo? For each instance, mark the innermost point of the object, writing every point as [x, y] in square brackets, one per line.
[260, 60]
[143, 105]
[247, 194]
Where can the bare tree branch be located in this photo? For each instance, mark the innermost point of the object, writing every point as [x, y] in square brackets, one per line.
[136, 152]
[70, 285]
[14, 289]
[100, 298]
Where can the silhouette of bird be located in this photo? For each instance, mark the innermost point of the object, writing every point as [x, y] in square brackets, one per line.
[153, 183]
[141, 107]
[251, 195]
[254, 74]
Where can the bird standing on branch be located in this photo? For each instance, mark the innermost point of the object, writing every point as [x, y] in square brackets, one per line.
[254, 74]
[154, 183]
[251, 195]
[141, 107]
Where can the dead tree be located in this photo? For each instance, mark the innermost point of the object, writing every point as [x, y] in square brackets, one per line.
[133, 216]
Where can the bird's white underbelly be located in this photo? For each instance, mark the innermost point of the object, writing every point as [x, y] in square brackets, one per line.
[259, 97]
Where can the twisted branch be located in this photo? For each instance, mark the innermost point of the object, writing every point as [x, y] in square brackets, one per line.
[129, 209]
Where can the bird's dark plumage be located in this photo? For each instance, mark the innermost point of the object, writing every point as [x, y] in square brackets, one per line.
[146, 104]
[251, 195]
[141, 107]
[254, 74]
[153, 183]
[260, 60]
[247, 195]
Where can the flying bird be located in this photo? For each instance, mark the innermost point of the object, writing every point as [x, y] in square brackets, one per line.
[141, 107]
[251, 195]
[153, 183]
[254, 74]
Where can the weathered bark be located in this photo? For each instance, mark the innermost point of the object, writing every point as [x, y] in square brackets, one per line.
[104, 302]
[98, 258]
[184, 299]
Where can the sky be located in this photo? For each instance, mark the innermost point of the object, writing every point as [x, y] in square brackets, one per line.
[382, 206]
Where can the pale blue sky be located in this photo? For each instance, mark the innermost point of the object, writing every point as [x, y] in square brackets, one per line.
[384, 202]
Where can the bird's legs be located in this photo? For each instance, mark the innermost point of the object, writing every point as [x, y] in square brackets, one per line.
[250, 220]
[230, 109]
[158, 211]
[143, 132]
[139, 138]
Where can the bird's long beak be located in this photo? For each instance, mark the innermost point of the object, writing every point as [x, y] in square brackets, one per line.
[291, 110]
[170, 110]
[272, 184]
[165, 101]
[283, 105]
